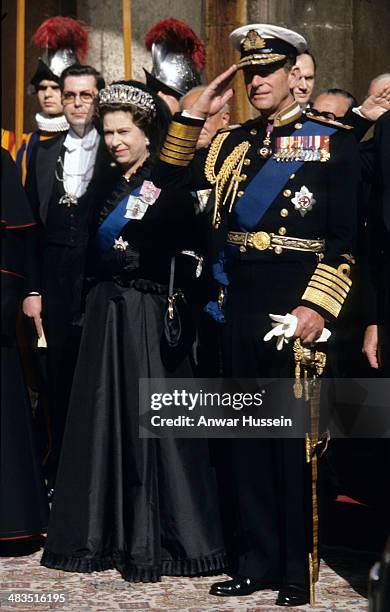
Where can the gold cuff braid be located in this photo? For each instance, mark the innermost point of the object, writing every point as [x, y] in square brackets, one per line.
[329, 287]
[179, 146]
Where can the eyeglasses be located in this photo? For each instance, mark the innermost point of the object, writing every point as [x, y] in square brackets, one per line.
[325, 114]
[69, 97]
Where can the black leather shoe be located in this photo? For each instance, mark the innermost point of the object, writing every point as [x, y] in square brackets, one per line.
[292, 595]
[237, 587]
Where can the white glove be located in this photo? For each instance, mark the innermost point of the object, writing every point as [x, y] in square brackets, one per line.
[283, 328]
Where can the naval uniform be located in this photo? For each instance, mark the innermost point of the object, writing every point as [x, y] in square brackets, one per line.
[295, 251]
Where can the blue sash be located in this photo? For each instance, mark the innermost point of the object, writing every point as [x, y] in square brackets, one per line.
[114, 223]
[270, 180]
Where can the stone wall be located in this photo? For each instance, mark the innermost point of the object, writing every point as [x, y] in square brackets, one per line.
[350, 38]
[106, 52]
[371, 36]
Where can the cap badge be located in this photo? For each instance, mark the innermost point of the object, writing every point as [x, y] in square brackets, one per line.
[303, 200]
[253, 40]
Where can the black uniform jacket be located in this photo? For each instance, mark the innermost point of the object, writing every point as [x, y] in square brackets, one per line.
[18, 235]
[332, 184]
[376, 164]
[41, 183]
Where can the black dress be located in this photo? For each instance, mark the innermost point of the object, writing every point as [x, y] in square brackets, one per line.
[23, 504]
[144, 507]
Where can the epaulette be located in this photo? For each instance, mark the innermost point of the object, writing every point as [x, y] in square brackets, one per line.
[229, 128]
[333, 122]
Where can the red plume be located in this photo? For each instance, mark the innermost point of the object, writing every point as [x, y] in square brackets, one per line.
[181, 37]
[62, 33]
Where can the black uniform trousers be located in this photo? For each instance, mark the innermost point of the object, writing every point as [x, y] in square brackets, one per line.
[63, 270]
[270, 477]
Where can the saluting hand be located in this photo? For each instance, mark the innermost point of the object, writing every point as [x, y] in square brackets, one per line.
[215, 96]
[310, 324]
[376, 105]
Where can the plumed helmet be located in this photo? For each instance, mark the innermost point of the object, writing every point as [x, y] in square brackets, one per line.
[178, 56]
[64, 42]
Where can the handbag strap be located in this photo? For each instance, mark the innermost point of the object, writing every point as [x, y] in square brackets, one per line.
[172, 276]
[171, 297]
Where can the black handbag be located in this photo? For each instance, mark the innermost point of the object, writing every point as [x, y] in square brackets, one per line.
[179, 331]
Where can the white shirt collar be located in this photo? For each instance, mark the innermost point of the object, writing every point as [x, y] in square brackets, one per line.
[73, 141]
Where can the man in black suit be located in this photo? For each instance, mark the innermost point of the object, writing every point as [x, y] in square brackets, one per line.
[304, 89]
[66, 176]
[376, 163]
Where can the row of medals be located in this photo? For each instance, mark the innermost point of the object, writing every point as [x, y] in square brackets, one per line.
[288, 154]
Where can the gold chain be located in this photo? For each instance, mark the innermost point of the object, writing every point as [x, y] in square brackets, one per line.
[212, 157]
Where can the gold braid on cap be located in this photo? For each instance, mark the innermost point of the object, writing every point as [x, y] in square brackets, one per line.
[127, 94]
[329, 287]
[261, 59]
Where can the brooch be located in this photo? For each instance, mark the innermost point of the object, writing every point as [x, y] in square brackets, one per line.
[135, 208]
[120, 244]
[303, 200]
[68, 199]
[149, 192]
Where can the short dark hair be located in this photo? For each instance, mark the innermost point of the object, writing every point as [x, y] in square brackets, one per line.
[343, 93]
[289, 62]
[81, 70]
[307, 52]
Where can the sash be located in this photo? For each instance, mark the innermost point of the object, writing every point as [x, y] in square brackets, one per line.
[114, 223]
[270, 180]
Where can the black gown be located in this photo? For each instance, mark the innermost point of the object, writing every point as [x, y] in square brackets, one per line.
[144, 507]
[23, 504]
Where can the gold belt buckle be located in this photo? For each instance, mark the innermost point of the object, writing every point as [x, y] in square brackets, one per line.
[261, 241]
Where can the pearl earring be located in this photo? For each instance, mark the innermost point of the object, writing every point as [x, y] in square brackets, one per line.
[147, 141]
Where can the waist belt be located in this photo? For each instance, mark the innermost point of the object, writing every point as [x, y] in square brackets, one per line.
[263, 241]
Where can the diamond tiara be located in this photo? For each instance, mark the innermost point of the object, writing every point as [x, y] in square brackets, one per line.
[127, 94]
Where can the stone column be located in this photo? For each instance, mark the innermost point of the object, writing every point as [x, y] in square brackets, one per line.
[223, 16]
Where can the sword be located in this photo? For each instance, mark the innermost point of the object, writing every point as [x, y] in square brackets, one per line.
[311, 363]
